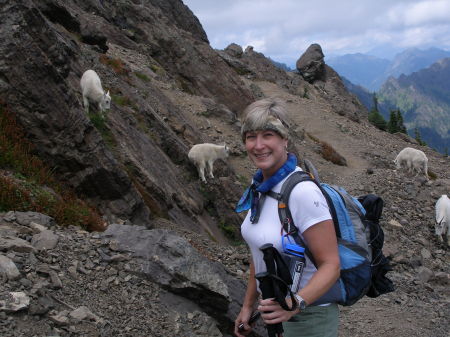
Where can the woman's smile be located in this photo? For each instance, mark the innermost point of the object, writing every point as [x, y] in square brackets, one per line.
[267, 150]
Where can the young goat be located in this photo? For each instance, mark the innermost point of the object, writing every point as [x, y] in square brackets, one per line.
[442, 226]
[205, 154]
[92, 90]
[414, 160]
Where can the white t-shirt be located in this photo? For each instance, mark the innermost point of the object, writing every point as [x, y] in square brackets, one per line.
[308, 207]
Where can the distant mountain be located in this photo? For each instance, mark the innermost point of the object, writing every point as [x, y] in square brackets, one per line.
[280, 65]
[423, 97]
[366, 97]
[414, 59]
[371, 72]
[359, 68]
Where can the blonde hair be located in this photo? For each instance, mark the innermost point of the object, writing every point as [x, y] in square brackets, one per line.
[266, 114]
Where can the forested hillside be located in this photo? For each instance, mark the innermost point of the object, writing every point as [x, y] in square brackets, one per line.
[424, 100]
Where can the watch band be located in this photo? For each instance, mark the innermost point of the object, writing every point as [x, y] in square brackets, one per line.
[300, 301]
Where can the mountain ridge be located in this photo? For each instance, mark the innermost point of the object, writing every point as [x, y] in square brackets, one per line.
[423, 100]
[371, 71]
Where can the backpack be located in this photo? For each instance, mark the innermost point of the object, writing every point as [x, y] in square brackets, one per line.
[359, 235]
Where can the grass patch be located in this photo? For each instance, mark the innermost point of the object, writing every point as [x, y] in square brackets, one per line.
[243, 180]
[231, 232]
[328, 152]
[124, 101]
[228, 230]
[116, 64]
[100, 124]
[142, 76]
[305, 93]
[432, 175]
[33, 186]
[157, 69]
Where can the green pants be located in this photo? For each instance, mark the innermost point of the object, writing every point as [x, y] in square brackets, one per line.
[314, 321]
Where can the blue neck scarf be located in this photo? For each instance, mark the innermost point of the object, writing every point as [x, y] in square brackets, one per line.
[250, 198]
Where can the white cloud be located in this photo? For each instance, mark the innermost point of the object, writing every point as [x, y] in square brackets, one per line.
[283, 29]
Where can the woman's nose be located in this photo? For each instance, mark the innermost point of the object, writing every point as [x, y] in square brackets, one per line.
[259, 142]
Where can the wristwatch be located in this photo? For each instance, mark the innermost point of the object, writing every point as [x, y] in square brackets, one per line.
[300, 301]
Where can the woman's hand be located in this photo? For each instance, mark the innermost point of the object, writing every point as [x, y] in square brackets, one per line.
[243, 317]
[272, 312]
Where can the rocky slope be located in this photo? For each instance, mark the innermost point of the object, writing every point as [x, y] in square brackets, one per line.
[178, 275]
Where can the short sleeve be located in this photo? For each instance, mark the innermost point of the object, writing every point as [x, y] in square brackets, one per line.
[308, 205]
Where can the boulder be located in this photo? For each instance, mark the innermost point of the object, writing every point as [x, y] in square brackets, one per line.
[311, 64]
[172, 262]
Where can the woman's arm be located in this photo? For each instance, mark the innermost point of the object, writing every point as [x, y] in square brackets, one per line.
[251, 295]
[321, 240]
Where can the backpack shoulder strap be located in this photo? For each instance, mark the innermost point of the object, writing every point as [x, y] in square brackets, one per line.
[283, 200]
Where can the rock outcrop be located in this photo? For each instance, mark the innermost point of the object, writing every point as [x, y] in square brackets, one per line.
[130, 169]
[311, 64]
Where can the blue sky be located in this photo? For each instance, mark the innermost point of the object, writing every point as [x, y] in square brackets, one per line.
[283, 29]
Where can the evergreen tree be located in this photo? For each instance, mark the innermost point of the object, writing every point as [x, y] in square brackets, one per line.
[375, 117]
[395, 123]
[418, 137]
[392, 125]
[400, 125]
[375, 102]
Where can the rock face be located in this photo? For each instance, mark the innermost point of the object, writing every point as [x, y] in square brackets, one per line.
[131, 169]
[311, 64]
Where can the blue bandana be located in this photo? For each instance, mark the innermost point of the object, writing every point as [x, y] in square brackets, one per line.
[250, 198]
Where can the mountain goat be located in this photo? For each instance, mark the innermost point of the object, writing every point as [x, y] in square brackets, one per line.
[413, 159]
[92, 90]
[206, 154]
[442, 226]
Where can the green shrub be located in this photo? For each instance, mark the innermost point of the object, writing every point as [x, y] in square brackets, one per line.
[376, 119]
[228, 230]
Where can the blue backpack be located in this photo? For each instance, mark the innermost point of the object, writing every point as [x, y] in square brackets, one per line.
[359, 235]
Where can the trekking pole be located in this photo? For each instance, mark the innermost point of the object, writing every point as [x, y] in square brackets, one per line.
[266, 287]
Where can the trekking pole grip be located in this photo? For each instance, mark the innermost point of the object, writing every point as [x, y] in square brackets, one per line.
[267, 291]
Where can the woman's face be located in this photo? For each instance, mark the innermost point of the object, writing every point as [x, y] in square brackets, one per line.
[267, 150]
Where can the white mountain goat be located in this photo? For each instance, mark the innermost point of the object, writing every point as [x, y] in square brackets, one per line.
[92, 90]
[413, 159]
[202, 155]
[442, 226]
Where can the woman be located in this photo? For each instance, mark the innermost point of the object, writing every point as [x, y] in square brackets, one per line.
[265, 135]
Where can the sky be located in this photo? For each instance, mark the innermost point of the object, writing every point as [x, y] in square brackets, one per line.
[284, 29]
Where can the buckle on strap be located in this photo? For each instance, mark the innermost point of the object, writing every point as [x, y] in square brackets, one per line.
[289, 228]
